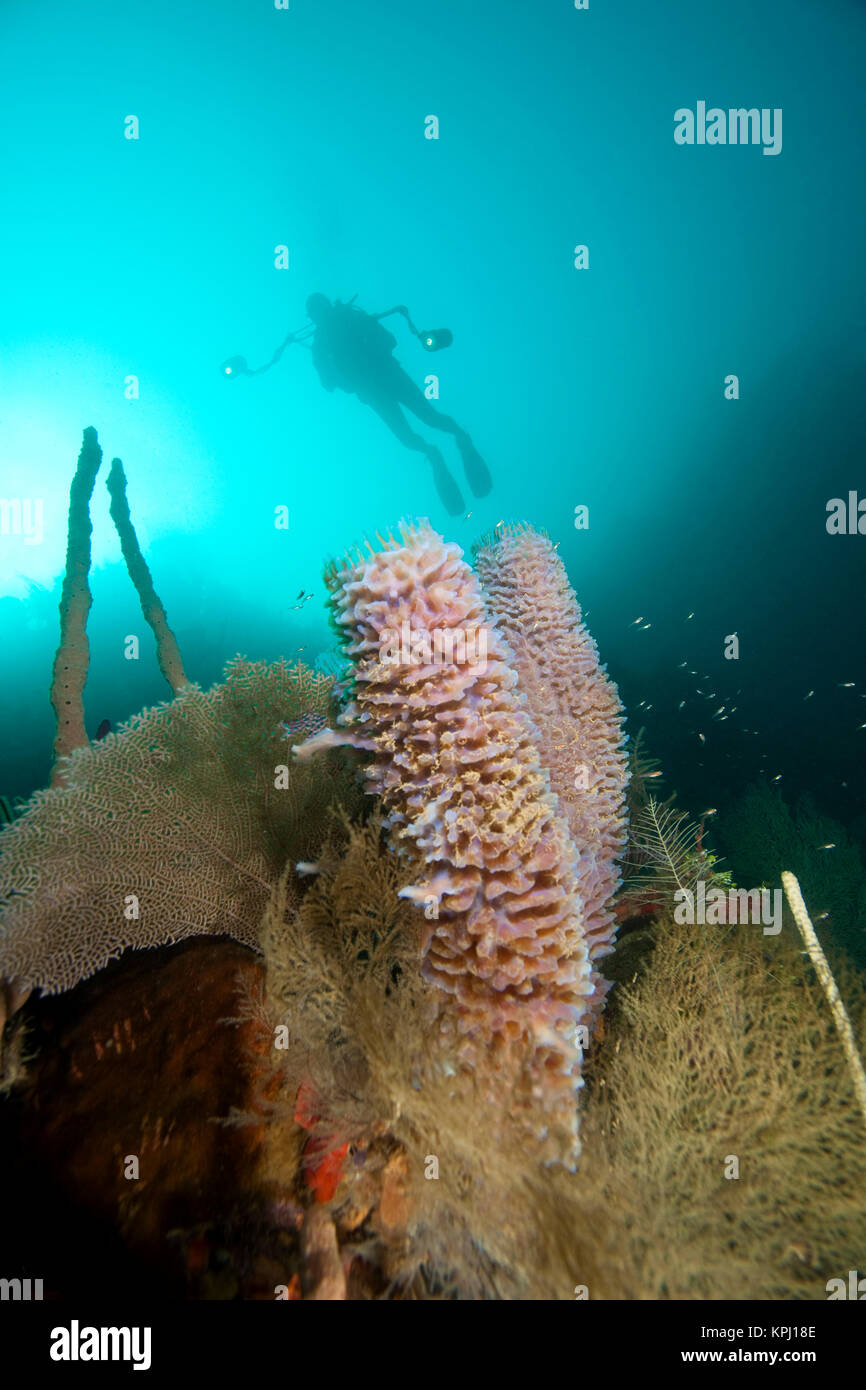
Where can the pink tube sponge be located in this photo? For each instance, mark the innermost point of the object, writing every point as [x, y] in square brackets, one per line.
[575, 706]
[468, 806]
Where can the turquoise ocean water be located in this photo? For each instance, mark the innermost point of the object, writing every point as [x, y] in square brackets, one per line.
[305, 128]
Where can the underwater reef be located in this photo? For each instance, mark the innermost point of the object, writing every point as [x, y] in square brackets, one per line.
[368, 1052]
[469, 811]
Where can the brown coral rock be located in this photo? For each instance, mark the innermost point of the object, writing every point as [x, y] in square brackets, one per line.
[146, 1062]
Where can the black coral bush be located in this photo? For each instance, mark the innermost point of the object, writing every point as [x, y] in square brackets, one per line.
[724, 1156]
[722, 1129]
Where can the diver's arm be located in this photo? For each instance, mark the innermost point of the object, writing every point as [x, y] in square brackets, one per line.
[289, 338]
[399, 309]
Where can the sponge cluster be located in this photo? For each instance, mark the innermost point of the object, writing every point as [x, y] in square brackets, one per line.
[468, 805]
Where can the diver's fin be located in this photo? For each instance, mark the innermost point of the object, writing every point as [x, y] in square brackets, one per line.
[449, 493]
[477, 473]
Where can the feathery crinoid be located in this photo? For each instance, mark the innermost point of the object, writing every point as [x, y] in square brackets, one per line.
[666, 857]
[667, 846]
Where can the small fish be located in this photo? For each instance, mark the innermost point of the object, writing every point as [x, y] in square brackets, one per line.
[831, 844]
[467, 516]
[720, 710]
[693, 673]
[305, 724]
[847, 685]
[710, 812]
[682, 664]
[809, 696]
[636, 621]
[300, 595]
[306, 868]
[646, 627]
[649, 776]
[649, 706]
[103, 730]
[821, 916]
[778, 778]
[681, 704]
[702, 737]
[691, 615]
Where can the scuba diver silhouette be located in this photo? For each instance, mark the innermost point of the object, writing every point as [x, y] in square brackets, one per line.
[353, 352]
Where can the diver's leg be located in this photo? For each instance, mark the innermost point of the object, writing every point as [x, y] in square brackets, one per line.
[413, 398]
[410, 395]
[390, 412]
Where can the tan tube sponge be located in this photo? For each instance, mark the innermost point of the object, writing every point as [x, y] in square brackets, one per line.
[73, 653]
[167, 650]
